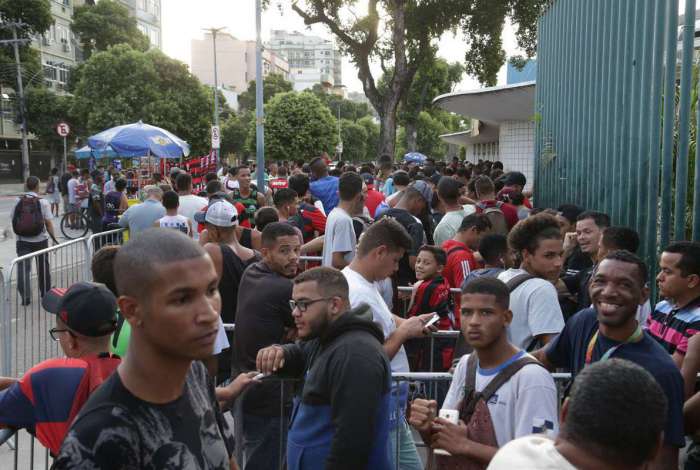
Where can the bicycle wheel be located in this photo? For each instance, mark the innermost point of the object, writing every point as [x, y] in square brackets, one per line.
[74, 225]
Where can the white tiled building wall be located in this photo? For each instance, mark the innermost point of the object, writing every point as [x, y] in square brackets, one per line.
[517, 148]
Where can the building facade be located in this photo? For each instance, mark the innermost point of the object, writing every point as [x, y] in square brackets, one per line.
[235, 61]
[312, 59]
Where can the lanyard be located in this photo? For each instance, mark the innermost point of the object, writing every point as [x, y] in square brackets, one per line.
[636, 337]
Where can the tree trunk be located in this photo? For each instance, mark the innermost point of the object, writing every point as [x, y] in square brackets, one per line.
[387, 134]
[411, 136]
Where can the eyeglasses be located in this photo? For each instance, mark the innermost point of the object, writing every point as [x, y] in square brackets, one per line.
[54, 331]
[302, 305]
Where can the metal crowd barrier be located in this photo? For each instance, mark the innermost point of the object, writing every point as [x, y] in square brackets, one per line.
[24, 451]
[24, 325]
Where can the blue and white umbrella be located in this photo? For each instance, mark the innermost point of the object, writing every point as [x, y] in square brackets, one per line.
[140, 140]
[415, 157]
[86, 152]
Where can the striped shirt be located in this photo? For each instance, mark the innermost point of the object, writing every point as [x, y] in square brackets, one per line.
[672, 327]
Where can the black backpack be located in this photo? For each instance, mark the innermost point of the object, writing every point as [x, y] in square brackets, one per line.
[27, 219]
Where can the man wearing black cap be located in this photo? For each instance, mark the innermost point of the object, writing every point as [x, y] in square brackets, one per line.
[50, 394]
[514, 182]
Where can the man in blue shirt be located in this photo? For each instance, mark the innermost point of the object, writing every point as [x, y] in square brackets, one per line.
[142, 216]
[610, 329]
[323, 187]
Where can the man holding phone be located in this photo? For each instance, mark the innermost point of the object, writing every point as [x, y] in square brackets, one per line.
[517, 396]
[341, 418]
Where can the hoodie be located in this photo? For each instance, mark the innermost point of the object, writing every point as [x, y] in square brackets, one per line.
[341, 418]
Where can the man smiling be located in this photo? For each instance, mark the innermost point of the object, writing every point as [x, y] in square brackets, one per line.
[341, 418]
[610, 328]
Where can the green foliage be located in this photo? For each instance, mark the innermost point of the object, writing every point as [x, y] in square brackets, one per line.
[297, 125]
[106, 24]
[433, 78]
[350, 110]
[123, 85]
[428, 141]
[272, 85]
[354, 138]
[45, 109]
[234, 131]
[36, 15]
[372, 130]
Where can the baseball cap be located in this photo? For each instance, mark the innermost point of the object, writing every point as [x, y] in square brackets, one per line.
[515, 177]
[220, 213]
[425, 191]
[88, 308]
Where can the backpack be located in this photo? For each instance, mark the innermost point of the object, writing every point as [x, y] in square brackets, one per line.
[496, 217]
[51, 185]
[474, 411]
[27, 219]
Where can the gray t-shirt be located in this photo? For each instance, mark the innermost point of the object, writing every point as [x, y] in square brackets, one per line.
[449, 224]
[339, 237]
[142, 216]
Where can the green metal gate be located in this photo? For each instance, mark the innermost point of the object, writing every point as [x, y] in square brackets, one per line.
[606, 137]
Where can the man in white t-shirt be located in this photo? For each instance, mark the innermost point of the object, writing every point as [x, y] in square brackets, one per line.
[189, 203]
[611, 438]
[339, 242]
[381, 247]
[523, 404]
[448, 191]
[537, 316]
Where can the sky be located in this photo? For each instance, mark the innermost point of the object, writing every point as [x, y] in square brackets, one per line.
[183, 20]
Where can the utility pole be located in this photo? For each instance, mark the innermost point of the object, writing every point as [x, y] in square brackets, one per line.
[214, 32]
[15, 41]
[259, 114]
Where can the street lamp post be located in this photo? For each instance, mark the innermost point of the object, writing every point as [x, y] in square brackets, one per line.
[259, 112]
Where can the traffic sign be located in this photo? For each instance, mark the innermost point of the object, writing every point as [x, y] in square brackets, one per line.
[63, 129]
[215, 137]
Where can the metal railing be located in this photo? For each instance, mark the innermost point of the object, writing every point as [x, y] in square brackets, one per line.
[24, 325]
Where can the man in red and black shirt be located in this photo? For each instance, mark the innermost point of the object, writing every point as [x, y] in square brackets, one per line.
[485, 192]
[280, 182]
[48, 397]
[309, 218]
[460, 253]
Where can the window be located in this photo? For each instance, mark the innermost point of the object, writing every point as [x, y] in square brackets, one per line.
[154, 37]
[141, 5]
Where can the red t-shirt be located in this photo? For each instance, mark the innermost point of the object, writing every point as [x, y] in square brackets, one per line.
[278, 183]
[374, 198]
[510, 212]
[460, 262]
[503, 195]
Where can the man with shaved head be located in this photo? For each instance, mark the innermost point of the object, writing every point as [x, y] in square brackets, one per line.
[160, 409]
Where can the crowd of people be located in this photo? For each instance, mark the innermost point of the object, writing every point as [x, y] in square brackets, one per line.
[154, 362]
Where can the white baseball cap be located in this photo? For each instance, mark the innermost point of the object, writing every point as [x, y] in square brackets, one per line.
[220, 213]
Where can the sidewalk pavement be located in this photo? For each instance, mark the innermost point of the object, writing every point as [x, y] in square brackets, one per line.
[11, 189]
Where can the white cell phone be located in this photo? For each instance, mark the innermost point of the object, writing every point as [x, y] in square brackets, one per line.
[259, 376]
[432, 321]
[448, 415]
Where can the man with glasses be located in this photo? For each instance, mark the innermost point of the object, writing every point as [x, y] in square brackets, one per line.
[47, 398]
[341, 417]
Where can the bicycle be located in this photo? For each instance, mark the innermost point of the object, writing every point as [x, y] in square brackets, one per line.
[76, 223]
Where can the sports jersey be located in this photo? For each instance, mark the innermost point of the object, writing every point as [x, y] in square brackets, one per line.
[250, 203]
[310, 220]
[48, 397]
[460, 262]
[672, 327]
[278, 183]
[177, 222]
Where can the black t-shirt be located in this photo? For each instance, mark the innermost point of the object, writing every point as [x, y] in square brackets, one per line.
[568, 350]
[405, 275]
[262, 314]
[116, 430]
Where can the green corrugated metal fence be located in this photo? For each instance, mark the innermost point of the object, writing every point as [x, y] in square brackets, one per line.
[607, 137]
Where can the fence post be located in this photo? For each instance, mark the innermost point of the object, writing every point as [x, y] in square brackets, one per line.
[6, 326]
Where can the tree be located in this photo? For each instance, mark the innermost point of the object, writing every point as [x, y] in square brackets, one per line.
[429, 129]
[106, 24]
[272, 85]
[354, 141]
[433, 78]
[297, 125]
[408, 30]
[372, 130]
[348, 109]
[45, 109]
[234, 131]
[123, 85]
[36, 17]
